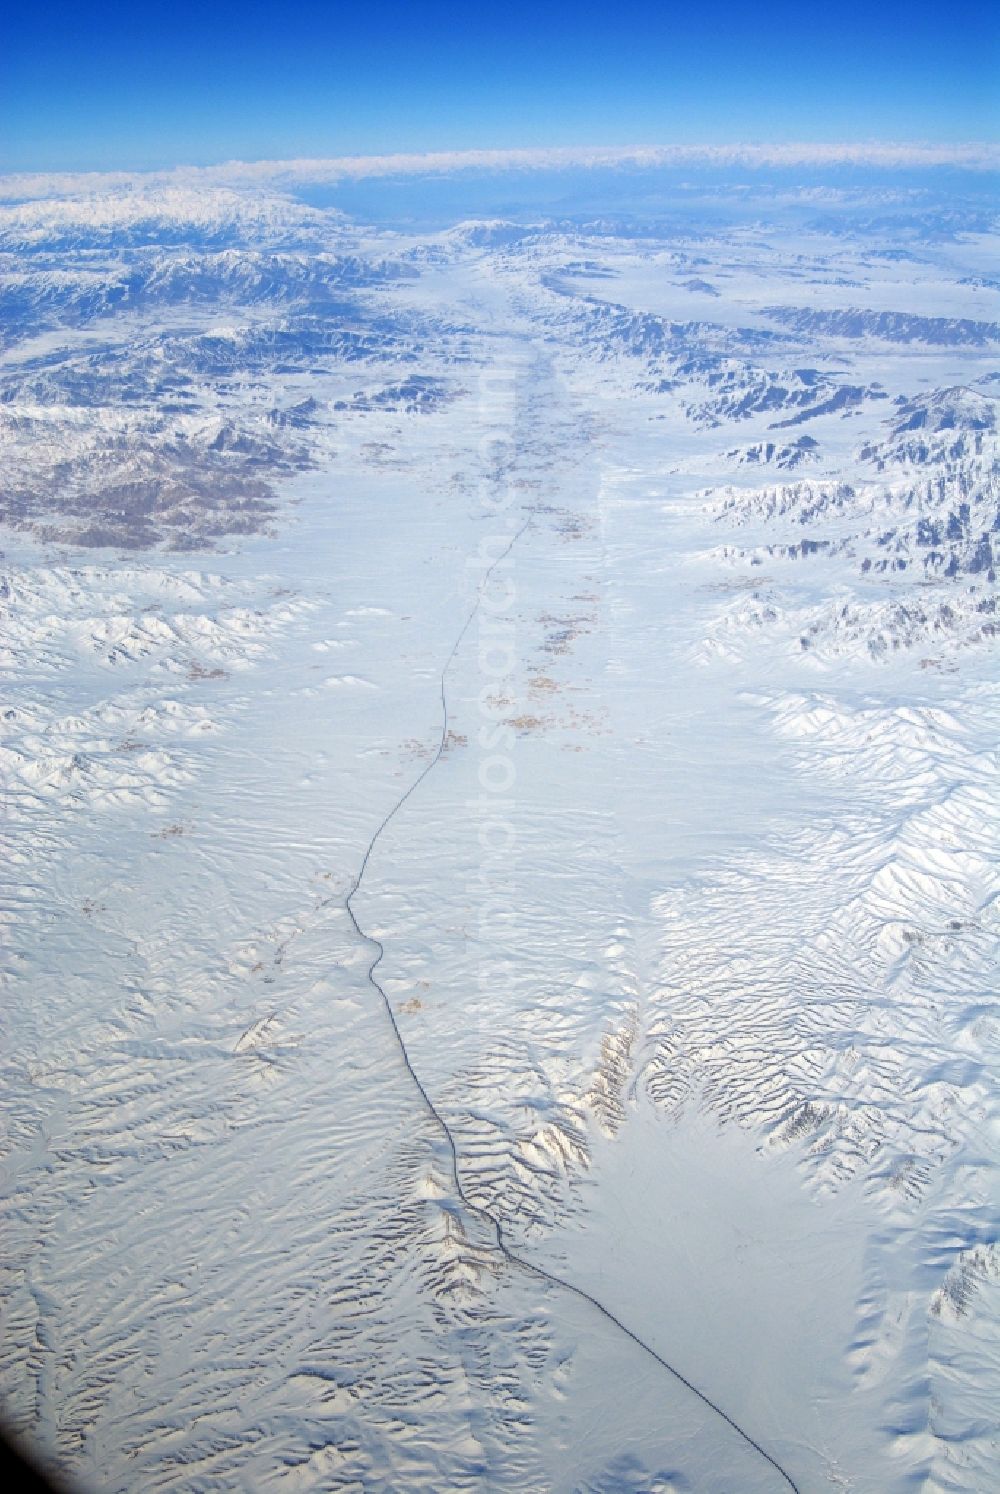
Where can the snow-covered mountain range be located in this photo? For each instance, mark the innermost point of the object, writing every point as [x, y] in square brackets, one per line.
[688, 928]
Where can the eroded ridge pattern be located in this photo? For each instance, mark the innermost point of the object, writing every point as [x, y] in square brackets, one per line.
[500, 810]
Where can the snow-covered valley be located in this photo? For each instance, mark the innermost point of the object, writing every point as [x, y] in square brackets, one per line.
[689, 928]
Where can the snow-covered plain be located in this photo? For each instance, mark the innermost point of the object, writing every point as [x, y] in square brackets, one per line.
[689, 931]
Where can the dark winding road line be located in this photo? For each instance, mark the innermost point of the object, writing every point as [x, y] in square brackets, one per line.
[476, 1209]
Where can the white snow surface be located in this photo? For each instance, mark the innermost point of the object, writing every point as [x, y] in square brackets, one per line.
[689, 933]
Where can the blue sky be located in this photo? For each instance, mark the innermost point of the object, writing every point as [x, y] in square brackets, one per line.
[155, 84]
